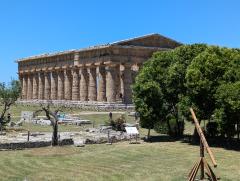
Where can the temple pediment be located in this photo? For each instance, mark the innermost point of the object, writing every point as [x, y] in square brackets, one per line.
[151, 40]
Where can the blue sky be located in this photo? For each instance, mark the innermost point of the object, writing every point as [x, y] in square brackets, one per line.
[30, 27]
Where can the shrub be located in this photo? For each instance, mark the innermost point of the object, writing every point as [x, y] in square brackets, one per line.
[161, 127]
[212, 129]
[118, 124]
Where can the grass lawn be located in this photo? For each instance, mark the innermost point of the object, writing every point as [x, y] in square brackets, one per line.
[166, 160]
[122, 161]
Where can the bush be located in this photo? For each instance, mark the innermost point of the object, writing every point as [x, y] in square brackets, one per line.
[161, 127]
[118, 124]
[212, 129]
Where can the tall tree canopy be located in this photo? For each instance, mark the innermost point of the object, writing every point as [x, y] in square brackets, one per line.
[189, 75]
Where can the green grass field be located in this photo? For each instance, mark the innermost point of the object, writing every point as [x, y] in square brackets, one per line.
[122, 161]
[166, 160]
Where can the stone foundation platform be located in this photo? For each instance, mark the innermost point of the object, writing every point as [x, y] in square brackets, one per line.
[87, 105]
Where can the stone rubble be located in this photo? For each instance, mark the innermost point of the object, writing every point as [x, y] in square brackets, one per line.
[79, 139]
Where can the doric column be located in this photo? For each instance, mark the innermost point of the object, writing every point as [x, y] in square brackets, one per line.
[20, 76]
[127, 82]
[24, 86]
[29, 87]
[47, 86]
[60, 89]
[117, 81]
[53, 85]
[110, 83]
[75, 84]
[101, 84]
[40, 86]
[67, 85]
[35, 85]
[83, 84]
[92, 86]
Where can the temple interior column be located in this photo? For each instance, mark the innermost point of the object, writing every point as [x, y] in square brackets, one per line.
[35, 85]
[101, 97]
[60, 82]
[83, 84]
[127, 82]
[24, 86]
[110, 83]
[29, 87]
[75, 84]
[40, 86]
[92, 86]
[47, 86]
[54, 85]
[67, 85]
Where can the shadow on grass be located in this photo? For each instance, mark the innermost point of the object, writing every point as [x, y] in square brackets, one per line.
[217, 142]
[160, 138]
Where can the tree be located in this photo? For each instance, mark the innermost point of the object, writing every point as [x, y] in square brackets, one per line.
[52, 116]
[8, 96]
[228, 100]
[146, 105]
[170, 82]
[167, 71]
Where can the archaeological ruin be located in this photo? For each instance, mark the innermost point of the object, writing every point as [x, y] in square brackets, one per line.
[98, 74]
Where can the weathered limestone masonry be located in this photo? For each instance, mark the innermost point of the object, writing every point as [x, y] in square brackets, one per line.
[94, 75]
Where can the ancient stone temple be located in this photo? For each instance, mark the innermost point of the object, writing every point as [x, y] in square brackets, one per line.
[96, 74]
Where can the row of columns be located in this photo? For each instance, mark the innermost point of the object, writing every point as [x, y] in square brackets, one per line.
[79, 84]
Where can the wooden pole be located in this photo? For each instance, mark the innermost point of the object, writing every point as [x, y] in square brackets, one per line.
[202, 163]
[202, 138]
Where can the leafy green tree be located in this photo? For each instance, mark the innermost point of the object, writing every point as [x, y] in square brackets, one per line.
[166, 70]
[191, 75]
[204, 75]
[228, 99]
[8, 96]
[146, 104]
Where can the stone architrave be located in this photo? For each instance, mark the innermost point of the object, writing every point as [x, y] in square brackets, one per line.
[67, 85]
[29, 87]
[54, 84]
[75, 84]
[110, 83]
[101, 84]
[40, 86]
[92, 86]
[47, 86]
[35, 86]
[24, 86]
[83, 84]
[60, 87]
[127, 82]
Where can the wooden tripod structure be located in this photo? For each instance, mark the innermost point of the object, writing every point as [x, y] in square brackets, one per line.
[202, 162]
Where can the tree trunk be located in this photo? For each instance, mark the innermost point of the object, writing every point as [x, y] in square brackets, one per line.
[2, 123]
[55, 134]
[148, 135]
[238, 131]
[178, 128]
[169, 128]
[3, 113]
